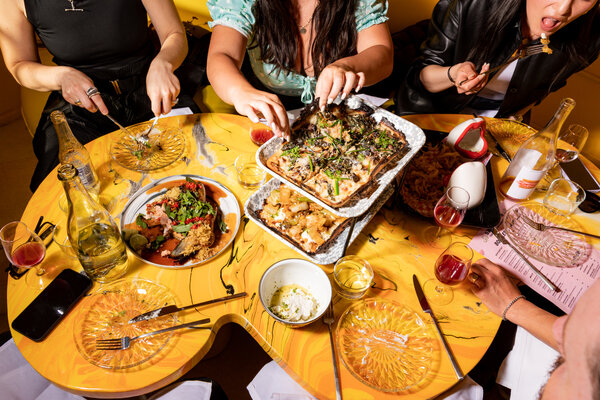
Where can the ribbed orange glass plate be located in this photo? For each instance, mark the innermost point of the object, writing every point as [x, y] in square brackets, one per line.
[105, 315]
[385, 345]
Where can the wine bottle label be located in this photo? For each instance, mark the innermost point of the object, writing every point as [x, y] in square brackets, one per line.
[524, 183]
[87, 176]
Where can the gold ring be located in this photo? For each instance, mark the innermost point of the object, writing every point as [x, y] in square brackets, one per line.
[473, 277]
[77, 102]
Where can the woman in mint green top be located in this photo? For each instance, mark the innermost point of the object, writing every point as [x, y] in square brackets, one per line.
[301, 48]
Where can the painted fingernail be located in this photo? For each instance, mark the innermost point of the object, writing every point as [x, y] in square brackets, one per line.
[275, 127]
[343, 96]
[358, 88]
[253, 118]
[322, 107]
[329, 100]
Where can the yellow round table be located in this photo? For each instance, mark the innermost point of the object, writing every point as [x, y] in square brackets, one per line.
[213, 141]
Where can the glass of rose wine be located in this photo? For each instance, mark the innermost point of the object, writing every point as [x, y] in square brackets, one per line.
[448, 213]
[570, 143]
[451, 268]
[24, 249]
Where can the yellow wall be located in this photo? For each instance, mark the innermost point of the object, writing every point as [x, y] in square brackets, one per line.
[584, 87]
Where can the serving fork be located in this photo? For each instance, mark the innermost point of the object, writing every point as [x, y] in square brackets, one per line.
[124, 342]
[328, 319]
[541, 227]
[522, 52]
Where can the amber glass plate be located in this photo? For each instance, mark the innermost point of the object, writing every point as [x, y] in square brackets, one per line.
[552, 246]
[105, 313]
[510, 134]
[165, 145]
[385, 345]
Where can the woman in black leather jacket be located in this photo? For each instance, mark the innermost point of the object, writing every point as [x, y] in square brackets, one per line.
[467, 36]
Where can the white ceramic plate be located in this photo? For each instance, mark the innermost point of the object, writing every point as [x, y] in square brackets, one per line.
[226, 200]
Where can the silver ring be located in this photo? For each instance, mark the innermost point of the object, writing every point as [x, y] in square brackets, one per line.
[92, 91]
[77, 102]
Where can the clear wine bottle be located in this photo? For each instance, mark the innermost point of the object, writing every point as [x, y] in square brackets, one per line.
[534, 157]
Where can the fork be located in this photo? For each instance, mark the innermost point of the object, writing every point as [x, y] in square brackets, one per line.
[328, 319]
[541, 227]
[124, 342]
[522, 52]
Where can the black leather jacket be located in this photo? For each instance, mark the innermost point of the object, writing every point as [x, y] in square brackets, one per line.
[455, 28]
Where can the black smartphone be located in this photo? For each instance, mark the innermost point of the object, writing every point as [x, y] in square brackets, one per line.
[577, 172]
[51, 305]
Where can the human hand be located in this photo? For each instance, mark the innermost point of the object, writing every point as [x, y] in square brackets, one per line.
[492, 285]
[466, 78]
[162, 87]
[74, 86]
[337, 78]
[256, 104]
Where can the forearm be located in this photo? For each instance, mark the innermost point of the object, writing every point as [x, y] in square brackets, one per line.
[173, 50]
[435, 78]
[375, 62]
[535, 320]
[36, 76]
[225, 77]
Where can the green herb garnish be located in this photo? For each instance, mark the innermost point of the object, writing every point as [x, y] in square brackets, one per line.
[139, 221]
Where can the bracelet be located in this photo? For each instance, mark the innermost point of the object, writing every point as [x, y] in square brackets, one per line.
[450, 76]
[510, 305]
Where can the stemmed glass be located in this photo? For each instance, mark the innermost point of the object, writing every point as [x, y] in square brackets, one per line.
[448, 213]
[570, 143]
[24, 249]
[451, 268]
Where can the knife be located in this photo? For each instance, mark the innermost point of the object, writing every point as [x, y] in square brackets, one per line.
[503, 240]
[159, 312]
[500, 149]
[426, 308]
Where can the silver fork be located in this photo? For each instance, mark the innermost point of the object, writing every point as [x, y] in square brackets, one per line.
[521, 53]
[541, 227]
[328, 319]
[124, 342]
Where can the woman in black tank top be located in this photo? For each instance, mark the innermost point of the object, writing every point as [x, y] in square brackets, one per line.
[103, 44]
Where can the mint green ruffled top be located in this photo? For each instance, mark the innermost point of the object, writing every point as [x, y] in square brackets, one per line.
[237, 14]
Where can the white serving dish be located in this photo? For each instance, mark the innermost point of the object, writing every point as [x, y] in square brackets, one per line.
[299, 272]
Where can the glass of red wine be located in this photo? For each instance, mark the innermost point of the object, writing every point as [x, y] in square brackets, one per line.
[24, 249]
[451, 268]
[448, 213]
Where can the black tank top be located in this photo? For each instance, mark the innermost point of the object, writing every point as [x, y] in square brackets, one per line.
[108, 36]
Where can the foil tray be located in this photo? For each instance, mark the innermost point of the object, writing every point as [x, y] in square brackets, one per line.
[331, 252]
[358, 205]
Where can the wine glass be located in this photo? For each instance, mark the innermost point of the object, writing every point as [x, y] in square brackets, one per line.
[448, 213]
[24, 249]
[570, 143]
[451, 268]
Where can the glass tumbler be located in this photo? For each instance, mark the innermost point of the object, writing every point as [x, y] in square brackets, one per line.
[249, 174]
[563, 196]
[352, 277]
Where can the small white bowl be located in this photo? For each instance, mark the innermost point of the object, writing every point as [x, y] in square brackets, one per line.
[299, 272]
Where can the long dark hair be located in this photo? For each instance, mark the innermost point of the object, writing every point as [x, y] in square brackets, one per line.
[277, 35]
[576, 35]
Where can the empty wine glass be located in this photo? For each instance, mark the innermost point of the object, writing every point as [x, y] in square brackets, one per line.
[570, 142]
[24, 249]
[451, 268]
[448, 213]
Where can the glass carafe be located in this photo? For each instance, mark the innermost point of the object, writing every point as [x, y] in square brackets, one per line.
[92, 231]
